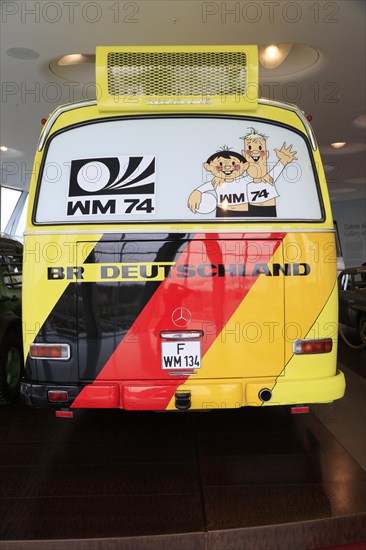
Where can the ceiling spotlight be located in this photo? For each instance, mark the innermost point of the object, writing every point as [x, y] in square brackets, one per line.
[3, 148]
[272, 55]
[271, 52]
[338, 144]
[76, 59]
[75, 67]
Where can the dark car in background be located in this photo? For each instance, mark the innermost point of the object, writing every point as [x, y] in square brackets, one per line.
[352, 299]
[11, 348]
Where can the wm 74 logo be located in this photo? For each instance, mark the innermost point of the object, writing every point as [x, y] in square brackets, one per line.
[112, 187]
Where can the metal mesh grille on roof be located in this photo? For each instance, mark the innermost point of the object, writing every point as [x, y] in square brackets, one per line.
[176, 73]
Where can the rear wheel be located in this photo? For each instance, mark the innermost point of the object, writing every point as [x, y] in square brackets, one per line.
[362, 328]
[11, 366]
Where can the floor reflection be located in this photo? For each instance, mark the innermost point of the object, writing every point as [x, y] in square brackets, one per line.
[111, 473]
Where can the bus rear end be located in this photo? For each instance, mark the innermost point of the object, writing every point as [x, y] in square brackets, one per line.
[179, 251]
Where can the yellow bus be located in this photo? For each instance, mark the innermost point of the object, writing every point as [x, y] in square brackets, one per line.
[179, 252]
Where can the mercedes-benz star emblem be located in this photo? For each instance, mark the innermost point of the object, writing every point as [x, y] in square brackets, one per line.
[181, 317]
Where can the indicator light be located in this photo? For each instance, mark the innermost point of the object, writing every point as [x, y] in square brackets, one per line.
[49, 351]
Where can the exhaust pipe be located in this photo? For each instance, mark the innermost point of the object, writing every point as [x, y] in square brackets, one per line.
[265, 395]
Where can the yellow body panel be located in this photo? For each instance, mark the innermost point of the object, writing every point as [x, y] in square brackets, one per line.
[254, 334]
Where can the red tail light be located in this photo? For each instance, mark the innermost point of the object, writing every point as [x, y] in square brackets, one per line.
[323, 345]
[57, 396]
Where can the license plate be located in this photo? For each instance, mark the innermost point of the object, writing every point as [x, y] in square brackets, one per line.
[180, 355]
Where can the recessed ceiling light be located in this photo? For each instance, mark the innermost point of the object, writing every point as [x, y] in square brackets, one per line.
[338, 144]
[272, 52]
[22, 53]
[360, 121]
[347, 149]
[3, 148]
[76, 67]
[271, 56]
[282, 60]
[76, 59]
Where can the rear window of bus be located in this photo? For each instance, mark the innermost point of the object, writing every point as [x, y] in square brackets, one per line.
[177, 169]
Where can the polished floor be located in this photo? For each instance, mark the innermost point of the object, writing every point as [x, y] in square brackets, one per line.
[244, 479]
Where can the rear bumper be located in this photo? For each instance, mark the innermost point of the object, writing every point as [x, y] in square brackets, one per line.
[319, 390]
[204, 394]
